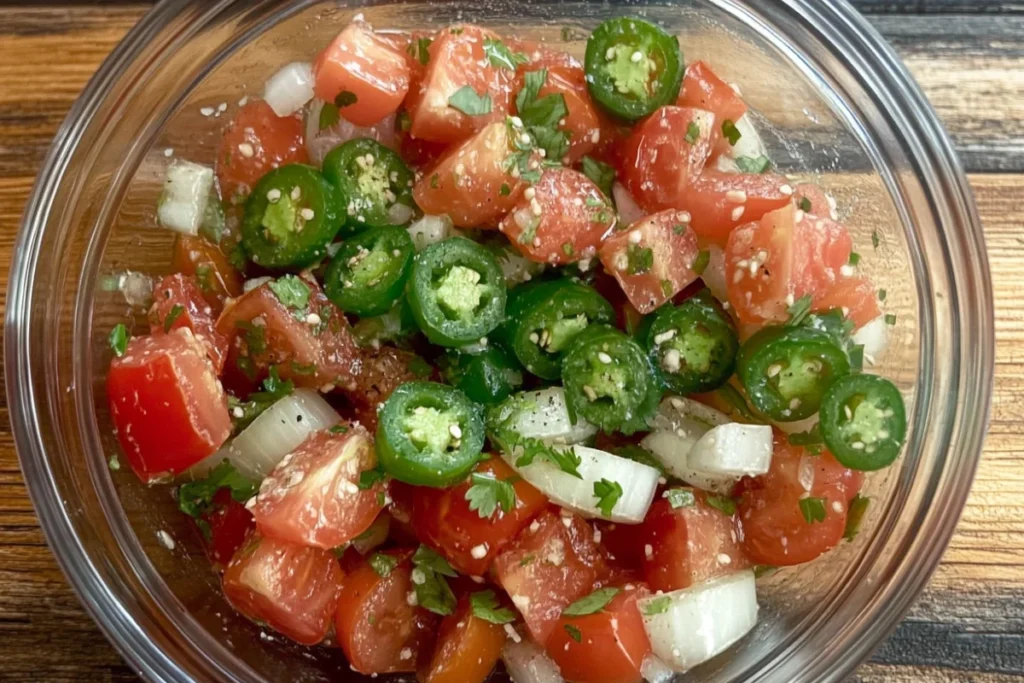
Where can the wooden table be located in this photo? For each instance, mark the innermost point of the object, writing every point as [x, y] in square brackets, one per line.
[969, 58]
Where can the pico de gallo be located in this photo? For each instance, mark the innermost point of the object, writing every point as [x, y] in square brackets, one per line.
[475, 352]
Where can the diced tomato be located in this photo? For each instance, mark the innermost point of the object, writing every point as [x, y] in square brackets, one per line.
[688, 545]
[378, 373]
[583, 123]
[470, 183]
[256, 141]
[703, 89]
[168, 408]
[552, 563]
[856, 297]
[612, 641]
[457, 60]
[216, 277]
[467, 648]
[775, 531]
[420, 153]
[370, 68]
[229, 525]
[312, 497]
[291, 588]
[178, 302]
[652, 259]
[664, 154]
[818, 203]
[718, 202]
[312, 349]
[771, 263]
[379, 631]
[573, 217]
[441, 518]
[541, 56]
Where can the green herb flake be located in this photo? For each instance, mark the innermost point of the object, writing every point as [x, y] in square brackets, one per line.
[600, 173]
[196, 497]
[608, 494]
[857, 358]
[724, 504]
[420, 50]
[433, 592]
[119, 339]
[639, 260]
[574, 633]
[882, 294]
[700, 264]
[804, 204]
[292, 291]
[680, 498]
[505, 190]
[487, 493]
[527, 560]
[345, 99]
[338, 429]
[875, 239]
[693, 132]
[175, 313]
[667, 288]
[434, 181]
[731, 132]
[328, 116]
[469, 102]
[591, 604]
[811, 439]
[565, 459]
[890, 319]
[274, 389]
[500, 56]
[657, 605]
[568, 249]
[799, 311]
[369, 478]
[761, 164]
[383, 564]
[854, 258]
[485, 606]
[855, 515]
[813, 509]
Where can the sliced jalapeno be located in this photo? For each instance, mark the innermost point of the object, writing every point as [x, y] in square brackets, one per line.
[456, 292]
[632, 67]
[429, 434]
[543, 317]
[374, 181]
[486, 377]
[786, 370]
[863, 421]
[291, 216]
[368, 273]
[693, 345]
[609, 381]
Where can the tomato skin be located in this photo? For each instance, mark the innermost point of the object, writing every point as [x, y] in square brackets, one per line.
[817, 200]
[192, 312]
[713, 201]
[291, 588]
[275, 141]
[541, 56]
[774, 529]
[216, 277]
[290, 344]
[378, 373]
[455, 62]
[467, 648]
[167, 406]
[703, 89]
[657, 162]
[377, 646]
[613, 641]
[673, 250]
[312, 496]
[441, 518]
[466, 183]
[368, 66]
[855, 296]
[552, 563]
[688, 545]
[230, 523]
[573, 212]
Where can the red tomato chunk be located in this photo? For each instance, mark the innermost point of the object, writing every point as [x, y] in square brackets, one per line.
[230, 524]
[257, 141]
[178, 302]
[467, 648]
[719, 202]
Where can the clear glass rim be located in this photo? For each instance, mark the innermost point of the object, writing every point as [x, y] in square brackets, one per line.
[962, 421]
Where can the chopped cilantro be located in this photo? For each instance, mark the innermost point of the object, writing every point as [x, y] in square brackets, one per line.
[574, 633]
[487, 493]
[640, 260]
[345, 99]
[505, 190]
[469, 102]
[591, 604]
[854, 258]
[657, 605]
[500, 56]
[485, 606]
[433, 592]
[890, 319]
[383, 564]
[680, 498]
[799, 311]
[700, 264]
[692, 132]
[274, 389]
[804, 204]
[175, 313]
[855, 515]
[813, 509]
[724, 504]
[419, 50]
[731, 132]
[608, 494]
[759, 164]
[292, 291]
[602, 174]
[196, 497]
[119, 339]
[369, 478]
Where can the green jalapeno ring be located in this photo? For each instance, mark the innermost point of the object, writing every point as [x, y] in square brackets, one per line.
[486, 377]
[633, 67]
[372, 179]
[544, 317]
[786, 370]
[290, 217]
[456, 292]
[863, 421]
[429, 434]
[368, 274]
[609, 380]
[692, 346]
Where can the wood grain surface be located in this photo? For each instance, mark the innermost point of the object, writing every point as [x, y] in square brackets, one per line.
[968, 57]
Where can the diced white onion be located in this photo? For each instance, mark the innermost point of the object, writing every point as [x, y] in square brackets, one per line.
[799, 426]
[701, 621]
[714, 274]
[400, 214]
[290, 89]
[273, 435]
[749, 144]
[320, 142]
[515, 267]
[676, 411]
[656, 671]
[526, 662]
[431, 229]
[629, 210]
[255, 282]
[725, 164]
[672, 451]
[874, 337]
[185, 195]
[733, 450]
[544, 415]
[374, 536]
[638, 482]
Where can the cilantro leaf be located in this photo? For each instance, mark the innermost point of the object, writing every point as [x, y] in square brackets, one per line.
[541, 115]
[640, 260]
[731, 132]
[813, 509]
[426, 558]
[485, 606]
[566, 459]
[432, 590]
[591, 604]
[196, 497]
[383, 564]
[419, 50]
[118, 338]
[501, 56]
[700, 263]
[466, 100]
[692, 132]
[345, 99]
[292, 291]
[680, 498]
[274, 389]
[799, 310]
[724, 504]
[855, 515]
[488, 492]
[574, 633]
[608, 494]
[759, 164]
[811, 439]
[175, 313]
[804, 204]
[368, 478]
[657, 605]
[602, 174]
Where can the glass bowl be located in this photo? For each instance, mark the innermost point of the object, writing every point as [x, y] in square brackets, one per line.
[833, 103]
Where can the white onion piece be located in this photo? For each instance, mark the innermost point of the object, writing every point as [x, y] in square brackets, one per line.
[185, 196]
[638, 482]
[431, 229]
[726, 164]
[672, 450]
[544, 415]
[273, 435]
[701, 621]
[526, 662]
[320, 142]
[290, 89]
[733, 450]
[400, 214]
[629, 210]
[714, 274]
[374, 536]
[656, 671]
[749, 144]
[515, 267]
[803, 425]
[677, 411]
[874, 337]
[255, 282]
